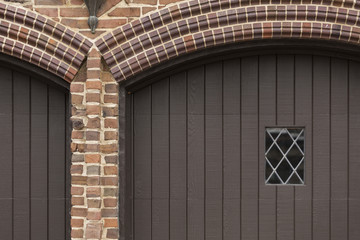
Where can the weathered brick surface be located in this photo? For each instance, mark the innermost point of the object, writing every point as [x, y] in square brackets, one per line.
[125, 12]
[76, 169]
[111, 222]
[113, 233]
[90, 164]
[110, 202]
[77, 222]
[77, 233]
[50, 12]
[92, 158]
[78, 201]
[78, 212]
[93, 180]
[94, 203]
[111, 135]
[77, 190]
[94, 215]
[93, 122]
[93, 230]
[73, 12]
[49, 2]
[93, 170]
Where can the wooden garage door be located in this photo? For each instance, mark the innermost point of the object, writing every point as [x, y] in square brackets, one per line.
[33, 174]
[198, 154]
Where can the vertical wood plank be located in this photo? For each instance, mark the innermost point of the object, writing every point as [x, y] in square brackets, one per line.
[6, 138]
[321, 148]
[67, 151]
[142, 164]
[196, 168]
[249, 147]
[178, 156]
[128, 161]
[354, 153]
[267, 117]
[160, 162]
[303, 117]
[21, 156]
[213, 154]
[339, 148]
[231, 139]
[285, 117]
[24, 198]
[39, 174]
[56, 164]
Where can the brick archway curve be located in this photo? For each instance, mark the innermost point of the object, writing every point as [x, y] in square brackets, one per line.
[31, 37]
[194, 25]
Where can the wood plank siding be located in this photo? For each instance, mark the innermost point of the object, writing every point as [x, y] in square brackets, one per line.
[197, 164]
[34, 188]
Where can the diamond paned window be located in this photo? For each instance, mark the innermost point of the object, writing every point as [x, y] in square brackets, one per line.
[284, 154]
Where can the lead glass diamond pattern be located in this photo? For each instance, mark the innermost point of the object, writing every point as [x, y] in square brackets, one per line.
[284, 155]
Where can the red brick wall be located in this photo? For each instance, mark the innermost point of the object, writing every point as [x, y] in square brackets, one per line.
[94, 168]
[113, 13]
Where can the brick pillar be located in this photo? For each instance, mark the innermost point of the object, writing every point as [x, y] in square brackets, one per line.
[94, 145]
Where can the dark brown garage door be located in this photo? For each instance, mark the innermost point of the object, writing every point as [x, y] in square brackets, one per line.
[33, 182]
[198, 151]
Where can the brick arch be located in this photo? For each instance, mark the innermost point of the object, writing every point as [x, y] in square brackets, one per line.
[33, 38]
[194, 25]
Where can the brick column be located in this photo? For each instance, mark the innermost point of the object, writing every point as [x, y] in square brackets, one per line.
[94, 145]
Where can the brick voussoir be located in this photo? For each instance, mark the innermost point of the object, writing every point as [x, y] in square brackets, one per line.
[162, 37]
[38, 33]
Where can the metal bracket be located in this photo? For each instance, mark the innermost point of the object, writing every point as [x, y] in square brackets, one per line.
[93, 7]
